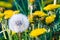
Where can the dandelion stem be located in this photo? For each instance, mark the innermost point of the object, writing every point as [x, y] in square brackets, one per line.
[4, 31]
[32, 29]
[31, 8]
[59, 37]
[19, 36]
[42, 5]
[4, 28]
[25, 35]
[28, 6]
[55, 2]
[45, 37]
[32, 26]
[8, 31]
[38, 25]
[37, 38]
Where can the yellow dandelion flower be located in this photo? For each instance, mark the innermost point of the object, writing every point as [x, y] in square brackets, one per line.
[9, 13]
[37, 32]
[1, 15]
[39, 13]
[30, 18]
[16, 12]
[51, 7]
[50, 19]
[31, 1]
[8, 16]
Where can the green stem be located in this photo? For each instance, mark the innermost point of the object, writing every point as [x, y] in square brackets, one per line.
[55, 2]
[32, 29]
[38, 25]
[25, 35]
[50, 35]
[4, 31]
[31, 8]
[19, 36]
[42, 5]
[45, 37]
[32, 26]
[37, 38]
[8, 31]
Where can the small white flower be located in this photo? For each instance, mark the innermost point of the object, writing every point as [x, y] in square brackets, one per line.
[18, 23]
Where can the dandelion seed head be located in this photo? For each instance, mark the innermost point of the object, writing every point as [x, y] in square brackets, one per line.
[18, 23]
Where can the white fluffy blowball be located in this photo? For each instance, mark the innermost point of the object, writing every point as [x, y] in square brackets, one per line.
[18, 23]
